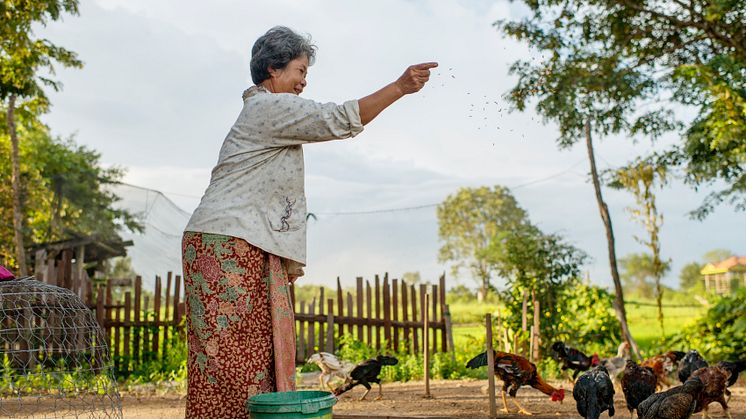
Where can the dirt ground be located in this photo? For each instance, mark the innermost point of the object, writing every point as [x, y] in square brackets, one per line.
[450, 399]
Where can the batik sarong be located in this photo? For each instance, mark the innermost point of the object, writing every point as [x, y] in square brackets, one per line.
[240, 325]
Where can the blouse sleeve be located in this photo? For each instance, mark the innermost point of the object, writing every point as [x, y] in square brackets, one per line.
[293, 120]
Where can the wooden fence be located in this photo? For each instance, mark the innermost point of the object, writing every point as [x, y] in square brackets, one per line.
[139, 325]
[387, 315]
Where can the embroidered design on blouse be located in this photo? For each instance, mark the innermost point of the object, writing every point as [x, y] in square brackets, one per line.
[284, 225]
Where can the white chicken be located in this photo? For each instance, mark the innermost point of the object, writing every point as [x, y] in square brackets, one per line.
[616, 365]
[330, 367]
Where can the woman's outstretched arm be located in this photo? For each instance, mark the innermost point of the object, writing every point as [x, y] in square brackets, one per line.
[413, 79]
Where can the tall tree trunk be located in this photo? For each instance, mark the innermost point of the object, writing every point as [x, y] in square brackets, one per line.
[604, 209]
[16, 185]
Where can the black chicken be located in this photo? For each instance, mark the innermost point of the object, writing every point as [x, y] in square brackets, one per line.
[674, 403]
[691, 362]
[735, 368]
[516, 371]
[365, 373]
[594, 393]
[638, 383]
[573, 359]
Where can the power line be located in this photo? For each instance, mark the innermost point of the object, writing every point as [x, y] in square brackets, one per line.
[416, 207]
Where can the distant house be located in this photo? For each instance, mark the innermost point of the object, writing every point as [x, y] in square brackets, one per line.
[725, 276]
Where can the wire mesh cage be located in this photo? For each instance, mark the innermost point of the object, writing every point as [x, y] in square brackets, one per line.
[54, 360]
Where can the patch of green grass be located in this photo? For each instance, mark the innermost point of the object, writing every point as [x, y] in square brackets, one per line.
[471, 312]
[642, 317]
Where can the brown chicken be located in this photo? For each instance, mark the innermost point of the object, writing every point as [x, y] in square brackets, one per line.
[675, 403]
[516, 371]
[662, 365]
[638, 383]
[715, 380]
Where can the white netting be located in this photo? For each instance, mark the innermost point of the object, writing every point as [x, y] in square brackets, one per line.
[54, 359]
[156, 250]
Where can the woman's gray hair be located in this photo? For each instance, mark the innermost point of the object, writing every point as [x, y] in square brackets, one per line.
[275, 49]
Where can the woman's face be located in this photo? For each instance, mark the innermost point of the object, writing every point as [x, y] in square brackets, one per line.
[291, 79]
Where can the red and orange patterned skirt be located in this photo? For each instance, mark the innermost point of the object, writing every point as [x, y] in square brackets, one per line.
[241, 332]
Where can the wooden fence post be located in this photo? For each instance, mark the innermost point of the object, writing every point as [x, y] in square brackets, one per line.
[537, 327]
[490, 366]
[426, 348]
[330, 326]
[378, 312]
[359, 297]
[127, 327]
[157, 317]
[395, 313]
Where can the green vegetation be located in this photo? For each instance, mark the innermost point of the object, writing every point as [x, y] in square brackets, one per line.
[719, 333]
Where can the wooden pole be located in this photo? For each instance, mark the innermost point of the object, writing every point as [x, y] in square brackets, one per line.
[537, 326]
[330, 325]
[449, 332]
[490, 367]
[426, 347]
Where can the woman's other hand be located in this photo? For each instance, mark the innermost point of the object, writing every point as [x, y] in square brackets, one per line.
[414, 77]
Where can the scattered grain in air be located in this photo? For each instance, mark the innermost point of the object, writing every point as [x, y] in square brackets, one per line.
[452, 76]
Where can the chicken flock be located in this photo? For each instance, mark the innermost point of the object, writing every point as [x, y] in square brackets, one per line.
[593, 390]
[701, 383]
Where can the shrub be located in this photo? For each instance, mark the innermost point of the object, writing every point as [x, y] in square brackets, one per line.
[718, 334]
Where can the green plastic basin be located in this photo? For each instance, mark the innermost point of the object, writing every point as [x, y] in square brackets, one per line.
[292, 405]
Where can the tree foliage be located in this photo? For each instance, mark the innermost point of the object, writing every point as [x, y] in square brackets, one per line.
[626, 65]
[63, 190]
[717, 255]
[641, 178]
[690, 275]
[544, 265]
[468, 222]
[23, 57]
[639, 272]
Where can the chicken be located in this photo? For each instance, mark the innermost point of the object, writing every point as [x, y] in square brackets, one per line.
[365, 373]
[516, 371]
[638, 383]
[675, 403]
[573, 359]
[735, 368]
[663, 365]
[330, 367]
[615, 365]
[691, 362]
[594, 393]
[715, 380]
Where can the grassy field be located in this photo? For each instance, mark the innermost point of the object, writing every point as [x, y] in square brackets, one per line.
[642, 316]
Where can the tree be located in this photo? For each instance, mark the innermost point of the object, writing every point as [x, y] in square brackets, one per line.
[717, 255]
[685, 52]
[640, 178]
[542, 266]
[585, 91]
[639, 272]
[64, 192]
[22, 59]
[468, 221]
[412, 278]
[690, 275]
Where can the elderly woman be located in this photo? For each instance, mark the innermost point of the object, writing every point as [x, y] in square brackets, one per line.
[246, 241]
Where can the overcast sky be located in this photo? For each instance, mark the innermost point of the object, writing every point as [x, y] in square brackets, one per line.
[162, 85]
